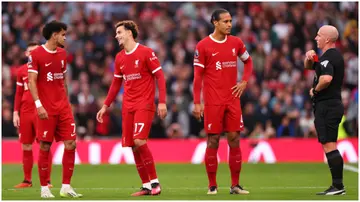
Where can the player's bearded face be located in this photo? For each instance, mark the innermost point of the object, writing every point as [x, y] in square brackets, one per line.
[225, 23]
[61, 38]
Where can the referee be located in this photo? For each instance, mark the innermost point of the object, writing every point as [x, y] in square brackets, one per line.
[326, 97]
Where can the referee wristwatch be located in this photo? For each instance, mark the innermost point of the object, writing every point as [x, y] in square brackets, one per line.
[315, 92]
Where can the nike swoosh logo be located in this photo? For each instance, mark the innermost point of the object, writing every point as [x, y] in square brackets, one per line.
[136, 134]
[215, 54]
[122, 67]
[48, 64]
[72, 135]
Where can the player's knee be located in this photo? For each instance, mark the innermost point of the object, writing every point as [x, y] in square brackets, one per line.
[329, 146]
[213, 141]
[139, 142]
[27, 147]
[70, 144]
[233, 139]
[45, 146]
[234, 144]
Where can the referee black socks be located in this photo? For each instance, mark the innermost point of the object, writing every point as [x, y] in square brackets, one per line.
[336, 165]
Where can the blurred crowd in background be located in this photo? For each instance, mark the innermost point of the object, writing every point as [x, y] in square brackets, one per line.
[276, 103]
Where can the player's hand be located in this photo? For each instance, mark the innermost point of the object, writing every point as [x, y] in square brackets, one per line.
[42, 113]
[16, 119]
[239, 88]
[100, 114]
[162, 110]
[310, 55]
[311, 93]
[198, 111]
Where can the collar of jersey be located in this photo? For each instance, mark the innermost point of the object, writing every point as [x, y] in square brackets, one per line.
[217, 41]
[133, 50]
[47, 50]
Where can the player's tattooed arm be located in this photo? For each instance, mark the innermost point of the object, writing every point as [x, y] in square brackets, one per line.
[34, 93]
[66, 86]
[240, 87]
[32, 85]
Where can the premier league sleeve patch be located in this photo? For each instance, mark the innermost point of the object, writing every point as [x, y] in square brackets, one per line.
[29, 59]
[196, 53]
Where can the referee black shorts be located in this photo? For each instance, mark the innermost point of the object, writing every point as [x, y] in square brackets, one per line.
[328, 115]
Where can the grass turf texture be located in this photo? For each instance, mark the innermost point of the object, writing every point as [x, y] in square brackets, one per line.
[298, 181]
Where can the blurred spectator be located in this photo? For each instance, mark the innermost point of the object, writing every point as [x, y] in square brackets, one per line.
[286, 128]
[307, 124]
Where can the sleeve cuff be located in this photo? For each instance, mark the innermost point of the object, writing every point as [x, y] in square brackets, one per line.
[33, 71]
[155, 70]
[200, 65]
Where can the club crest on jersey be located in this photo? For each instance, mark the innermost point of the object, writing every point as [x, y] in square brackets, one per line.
[136, 63]
[233, 51]
[196, 53]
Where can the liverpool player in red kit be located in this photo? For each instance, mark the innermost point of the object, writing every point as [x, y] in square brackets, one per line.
[46, 68]
[138, 67]
[215, 64]
[24, 104]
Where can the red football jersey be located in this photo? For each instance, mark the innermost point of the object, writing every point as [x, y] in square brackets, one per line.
[137, 69]
[50, 67]
[219, 60]
[26, 101]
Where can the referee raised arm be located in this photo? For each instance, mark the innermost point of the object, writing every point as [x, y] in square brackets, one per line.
[326, 97]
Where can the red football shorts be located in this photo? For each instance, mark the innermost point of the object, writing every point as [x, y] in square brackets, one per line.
[61, 127]
[136, 125]
[27, 130]
[223, 118]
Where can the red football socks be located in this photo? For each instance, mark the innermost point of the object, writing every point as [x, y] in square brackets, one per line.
[43, 167]
[235, 165]
[211, 164]
[50, 166]
[28, 162]
[141, 168]
[148, 161]
[68, 163]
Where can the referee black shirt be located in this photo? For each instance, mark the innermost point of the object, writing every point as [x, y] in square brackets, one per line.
[330, 63]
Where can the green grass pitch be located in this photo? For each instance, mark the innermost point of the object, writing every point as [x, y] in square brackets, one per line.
[298, 181]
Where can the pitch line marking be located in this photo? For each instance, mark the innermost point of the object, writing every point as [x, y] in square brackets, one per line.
[351, 168]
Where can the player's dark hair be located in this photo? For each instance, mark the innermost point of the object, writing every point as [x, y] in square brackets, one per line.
[129, 25]
[32, 43]
[216, 14]
[53, 27]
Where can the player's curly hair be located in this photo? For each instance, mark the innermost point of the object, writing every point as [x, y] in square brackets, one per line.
[53, 27]
[129, 25]
[216, 15]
